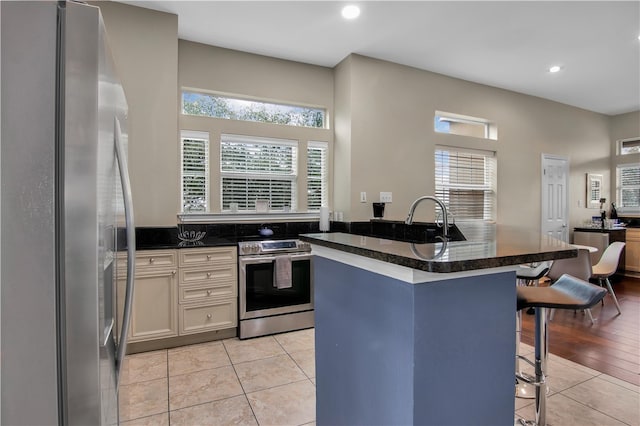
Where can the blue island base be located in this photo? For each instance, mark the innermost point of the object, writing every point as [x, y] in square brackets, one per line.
[390, 352]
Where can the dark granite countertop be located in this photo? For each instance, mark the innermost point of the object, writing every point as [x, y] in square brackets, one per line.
[210, 235]
[487, 246]
[168, 238]
[601, 230]
[206, 241]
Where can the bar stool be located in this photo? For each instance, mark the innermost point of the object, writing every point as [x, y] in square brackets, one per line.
[527, 276]
[567, 292]
[578, 267]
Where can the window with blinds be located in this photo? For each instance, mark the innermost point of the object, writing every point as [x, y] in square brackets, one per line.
[628, 177]
[258, 169]
[317, 175]
[465, 180]
[195, 171]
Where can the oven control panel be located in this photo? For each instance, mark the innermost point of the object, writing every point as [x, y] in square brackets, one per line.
[267, 247]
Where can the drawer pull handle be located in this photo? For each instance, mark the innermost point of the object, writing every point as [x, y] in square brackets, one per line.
[208, 257]
[173, 272]
[208, 292]
[208, 316]
[151, 260]
[208, 274]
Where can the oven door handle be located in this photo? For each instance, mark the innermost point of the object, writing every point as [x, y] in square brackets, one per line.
[256, 260]
[268, 259]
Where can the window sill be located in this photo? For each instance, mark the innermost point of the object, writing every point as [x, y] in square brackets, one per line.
[247, 217]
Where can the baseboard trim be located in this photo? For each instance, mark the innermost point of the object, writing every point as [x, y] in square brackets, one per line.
[173, 342]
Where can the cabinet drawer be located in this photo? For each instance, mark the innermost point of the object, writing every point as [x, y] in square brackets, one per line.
[213, 275]
[148, 259]
[633, 234]
[632, 250]
[216, 315]
[208, 256]
[203, 294]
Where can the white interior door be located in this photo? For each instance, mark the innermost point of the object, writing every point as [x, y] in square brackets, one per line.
[555, 196]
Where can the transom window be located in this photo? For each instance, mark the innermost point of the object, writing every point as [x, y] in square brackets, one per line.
[465, 180]
[218, 106]
[463, 125]
[629, 146]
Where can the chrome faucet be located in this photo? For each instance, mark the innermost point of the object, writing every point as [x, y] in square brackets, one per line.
[445, 219]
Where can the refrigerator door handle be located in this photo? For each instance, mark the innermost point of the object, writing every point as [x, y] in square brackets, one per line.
[131, 247]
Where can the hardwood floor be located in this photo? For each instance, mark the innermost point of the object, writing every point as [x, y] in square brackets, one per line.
[611, 345]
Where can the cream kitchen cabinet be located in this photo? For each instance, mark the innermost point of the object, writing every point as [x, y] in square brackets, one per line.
[208, 289]
[632, 259]
[154, 313]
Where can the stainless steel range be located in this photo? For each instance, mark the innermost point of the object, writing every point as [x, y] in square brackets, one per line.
[275, 287]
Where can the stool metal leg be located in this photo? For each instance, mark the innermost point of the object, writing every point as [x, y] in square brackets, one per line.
[523, 389]
[542, 355]
[540, 366]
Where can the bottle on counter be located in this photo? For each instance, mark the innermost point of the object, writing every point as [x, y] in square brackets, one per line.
[614, 212]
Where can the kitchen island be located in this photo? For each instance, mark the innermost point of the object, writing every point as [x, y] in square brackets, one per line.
[419, 334]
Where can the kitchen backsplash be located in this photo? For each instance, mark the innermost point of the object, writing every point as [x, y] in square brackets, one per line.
[194, 235]
[186, 235]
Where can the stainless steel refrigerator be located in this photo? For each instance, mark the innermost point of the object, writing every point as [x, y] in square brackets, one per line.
[63, 117]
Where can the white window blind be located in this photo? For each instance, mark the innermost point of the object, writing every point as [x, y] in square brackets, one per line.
[629, 187]
[195, 171]
[316, 175]
[258, 169]
[465, 181]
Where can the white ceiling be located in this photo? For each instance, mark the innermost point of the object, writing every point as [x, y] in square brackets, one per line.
[506, 44]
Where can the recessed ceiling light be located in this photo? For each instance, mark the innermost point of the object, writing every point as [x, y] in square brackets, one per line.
[350, 12]
[555, 68]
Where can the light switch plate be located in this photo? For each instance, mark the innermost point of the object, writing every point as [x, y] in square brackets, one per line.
[363, 197]
[386, 197]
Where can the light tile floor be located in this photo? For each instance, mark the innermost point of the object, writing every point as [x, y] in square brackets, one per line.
[271, 381]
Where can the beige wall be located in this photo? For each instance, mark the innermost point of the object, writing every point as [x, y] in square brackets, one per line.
[342, 198]
[215, 69]
[625, 126]
[145, 50]
[392, 140]
[239, 73]
[381, 116]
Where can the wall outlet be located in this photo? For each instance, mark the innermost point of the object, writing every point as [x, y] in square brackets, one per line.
[386, 197]
[363, 197]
